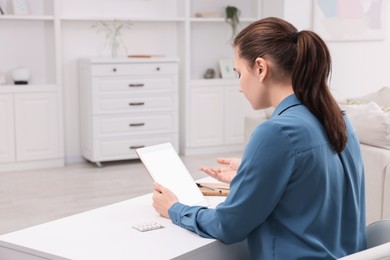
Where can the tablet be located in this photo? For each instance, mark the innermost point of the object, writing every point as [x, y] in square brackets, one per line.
[166, 168]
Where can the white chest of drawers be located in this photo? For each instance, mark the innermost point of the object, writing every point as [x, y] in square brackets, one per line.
[126, 104]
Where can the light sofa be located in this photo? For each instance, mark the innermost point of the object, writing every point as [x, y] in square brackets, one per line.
[370, 116]
[373, 129]
[377, 173]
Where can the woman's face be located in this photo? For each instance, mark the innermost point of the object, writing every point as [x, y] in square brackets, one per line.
[252, 82]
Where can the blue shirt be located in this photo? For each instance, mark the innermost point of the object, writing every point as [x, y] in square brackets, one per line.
[293, 197]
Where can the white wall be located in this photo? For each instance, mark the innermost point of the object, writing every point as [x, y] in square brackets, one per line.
[359, 67]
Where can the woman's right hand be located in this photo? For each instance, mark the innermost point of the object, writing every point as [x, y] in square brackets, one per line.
[225, 173]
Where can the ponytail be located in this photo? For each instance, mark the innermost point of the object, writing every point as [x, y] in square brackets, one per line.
[310, 73]
[303, 58]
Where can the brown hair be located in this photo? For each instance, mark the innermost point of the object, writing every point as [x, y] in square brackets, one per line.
[302, 56]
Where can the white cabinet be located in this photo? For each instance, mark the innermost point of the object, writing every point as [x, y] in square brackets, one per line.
[217, 118]
[7, 142]
[30, 129]
[206, 121]
[127, 104]
[37, 126]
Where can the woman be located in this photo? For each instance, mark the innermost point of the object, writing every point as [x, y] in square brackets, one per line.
[299, 190]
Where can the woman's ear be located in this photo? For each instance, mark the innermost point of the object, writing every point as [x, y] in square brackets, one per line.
[261, 68]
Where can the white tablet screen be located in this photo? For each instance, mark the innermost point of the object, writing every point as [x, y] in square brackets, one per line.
[167, 169]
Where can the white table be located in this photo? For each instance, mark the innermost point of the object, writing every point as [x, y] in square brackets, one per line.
[107, 233]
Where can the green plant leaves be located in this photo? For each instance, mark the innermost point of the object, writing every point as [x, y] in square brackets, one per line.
[232, 17]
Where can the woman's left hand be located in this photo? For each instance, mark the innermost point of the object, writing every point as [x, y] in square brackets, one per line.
[163, 199]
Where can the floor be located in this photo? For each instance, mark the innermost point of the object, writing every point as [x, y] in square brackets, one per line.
[29, 198]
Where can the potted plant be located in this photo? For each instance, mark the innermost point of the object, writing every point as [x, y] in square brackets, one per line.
[113, 33]
[232, 17]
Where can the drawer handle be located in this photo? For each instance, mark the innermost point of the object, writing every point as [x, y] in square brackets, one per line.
[114, 69]
[137, 124]
[136, 146]
[158, 68]
[136, 85]
[136, 103]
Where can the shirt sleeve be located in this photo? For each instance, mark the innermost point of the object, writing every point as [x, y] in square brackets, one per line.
[261, 180]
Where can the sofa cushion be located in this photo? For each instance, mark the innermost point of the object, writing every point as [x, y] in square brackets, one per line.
[371, 123]
[381, 97]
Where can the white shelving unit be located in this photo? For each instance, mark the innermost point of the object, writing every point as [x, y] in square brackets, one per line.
[28, 18]
[133, 19]
[57, 33]
[214, 108]
[32, 133]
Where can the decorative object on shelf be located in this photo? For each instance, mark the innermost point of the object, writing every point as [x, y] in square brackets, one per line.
[20, 7]
[227, 69]
[21, 76]
[209, 74]
[2, 79]
[113, 32]
[144, 56]
[232, 17]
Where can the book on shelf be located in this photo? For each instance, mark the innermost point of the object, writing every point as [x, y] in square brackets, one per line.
[145, 56]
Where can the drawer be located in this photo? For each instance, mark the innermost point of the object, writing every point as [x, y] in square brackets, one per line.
[118, 149]
[122, 125]
[116, 104]
[133, 69]
[133, 85]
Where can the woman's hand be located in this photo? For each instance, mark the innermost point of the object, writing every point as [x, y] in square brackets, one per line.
[225, 173]
[163, 199]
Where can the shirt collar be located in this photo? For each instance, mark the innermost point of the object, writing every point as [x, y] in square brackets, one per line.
[286, 103]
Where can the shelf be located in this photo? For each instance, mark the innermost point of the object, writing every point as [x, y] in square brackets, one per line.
[213, 82]
[120, 60]
[131, 19]
[217, 20]
[28, 88]
[151, 20]
[27, 17]
[207, 20]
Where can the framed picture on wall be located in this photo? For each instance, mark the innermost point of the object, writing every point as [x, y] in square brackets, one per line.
[227, 69]
[20, 7]
[351, 20]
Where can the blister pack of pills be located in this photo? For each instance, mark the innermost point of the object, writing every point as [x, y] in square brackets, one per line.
[148, 227]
